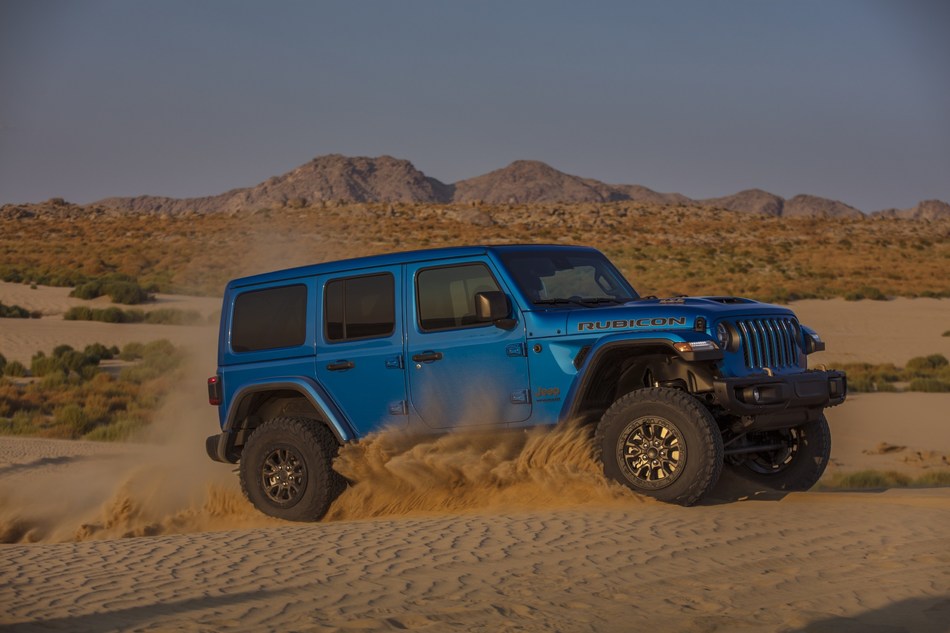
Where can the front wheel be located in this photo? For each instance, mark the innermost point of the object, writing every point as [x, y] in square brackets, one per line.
[796, 460]
[286, 469]
[662, 443]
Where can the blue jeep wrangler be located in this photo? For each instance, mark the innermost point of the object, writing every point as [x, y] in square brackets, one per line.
[508, 337]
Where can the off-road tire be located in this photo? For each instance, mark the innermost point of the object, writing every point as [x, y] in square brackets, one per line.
[295, 455]
[691, 436]
[801, 469]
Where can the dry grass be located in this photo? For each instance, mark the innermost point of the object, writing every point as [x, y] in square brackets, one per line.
[663, 250]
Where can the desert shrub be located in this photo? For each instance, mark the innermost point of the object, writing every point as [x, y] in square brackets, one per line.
[41, 365]
[74, 398]
[120, 288]
[100, 351]
[14, 368]
[947, 333]
[131, 351]
[157, 358]
[934, 478]
[3, 363]
[120, 431]
[16, 312]
[923, 366]
[929, 385]
[865, 292]
[173, 316]
[865, 479]
[73, 418]
[20, 423]
[162, 316]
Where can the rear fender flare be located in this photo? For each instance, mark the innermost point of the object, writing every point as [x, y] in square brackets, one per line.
[309, 389]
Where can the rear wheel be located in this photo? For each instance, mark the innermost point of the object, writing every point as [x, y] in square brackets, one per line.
[662, 443]
[286, 469]
[796, 460]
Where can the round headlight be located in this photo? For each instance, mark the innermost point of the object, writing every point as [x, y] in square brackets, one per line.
[722, 335]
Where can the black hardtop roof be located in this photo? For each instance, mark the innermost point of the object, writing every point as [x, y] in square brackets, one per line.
[389, 259]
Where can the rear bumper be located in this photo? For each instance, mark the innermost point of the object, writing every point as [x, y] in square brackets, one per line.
[219, 448]
[781, 401]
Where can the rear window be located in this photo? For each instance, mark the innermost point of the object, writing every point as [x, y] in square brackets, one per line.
[269, 319]
[360, 307]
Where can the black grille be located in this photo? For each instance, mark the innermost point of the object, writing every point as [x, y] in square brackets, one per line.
[769, 343]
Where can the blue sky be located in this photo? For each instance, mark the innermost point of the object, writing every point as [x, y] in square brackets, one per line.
[847, 99]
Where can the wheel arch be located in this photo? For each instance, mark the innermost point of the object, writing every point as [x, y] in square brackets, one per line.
[616, 367]
[298, 397]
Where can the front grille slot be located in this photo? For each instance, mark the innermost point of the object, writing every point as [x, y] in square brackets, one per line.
[769, 342]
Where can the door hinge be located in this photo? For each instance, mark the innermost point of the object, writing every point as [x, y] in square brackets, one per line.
[399, 408]
[520, 397]
[394, 362]
[516, 349]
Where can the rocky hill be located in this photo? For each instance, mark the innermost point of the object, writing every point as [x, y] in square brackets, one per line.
[343, 179]
[748, 201]
[925, 210]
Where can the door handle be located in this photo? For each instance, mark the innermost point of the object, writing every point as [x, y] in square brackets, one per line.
[425, 357]
[341, 365]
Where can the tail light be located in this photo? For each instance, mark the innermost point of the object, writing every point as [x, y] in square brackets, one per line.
[214, 391]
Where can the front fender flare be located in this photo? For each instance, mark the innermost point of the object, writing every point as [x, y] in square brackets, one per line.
[635, 341]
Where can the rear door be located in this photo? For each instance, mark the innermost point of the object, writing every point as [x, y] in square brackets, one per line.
[462, 372]
[360, 346]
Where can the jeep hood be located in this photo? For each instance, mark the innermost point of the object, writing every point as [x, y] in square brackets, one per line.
[646, 314]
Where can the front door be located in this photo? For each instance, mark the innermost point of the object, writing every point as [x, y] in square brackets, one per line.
[462, 372]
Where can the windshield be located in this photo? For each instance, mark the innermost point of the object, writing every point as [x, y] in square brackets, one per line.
[561, 276]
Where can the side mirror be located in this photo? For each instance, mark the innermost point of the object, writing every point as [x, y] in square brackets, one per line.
[493, 307]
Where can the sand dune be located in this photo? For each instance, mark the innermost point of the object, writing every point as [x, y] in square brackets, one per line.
[492, 548]
[811, 562]
[515, 533]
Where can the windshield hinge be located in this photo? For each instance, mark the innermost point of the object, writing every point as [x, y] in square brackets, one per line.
[516, 349]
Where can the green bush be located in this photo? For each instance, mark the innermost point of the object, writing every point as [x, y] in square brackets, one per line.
[162, 316]
[131, 351]
[16, 312]
[865, 292]
[15, 368]
[865, 479]
[73, 398]
[929, 385]
[120, 288]
[73, 418]
[926, 365]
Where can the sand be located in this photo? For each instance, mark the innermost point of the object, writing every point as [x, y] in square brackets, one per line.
[513, 534]
[877, 331]
[21, 338]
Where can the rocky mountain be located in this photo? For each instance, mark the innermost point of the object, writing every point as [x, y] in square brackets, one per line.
[925, 210]
[325, 178]
[363, 179]
[525, 181]
[804, 205]
[748, 201]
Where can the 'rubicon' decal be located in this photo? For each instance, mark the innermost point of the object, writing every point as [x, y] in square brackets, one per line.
[621, 324]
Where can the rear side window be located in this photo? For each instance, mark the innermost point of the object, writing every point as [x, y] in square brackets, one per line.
[360, 307]
[446, 296]
[269, 319]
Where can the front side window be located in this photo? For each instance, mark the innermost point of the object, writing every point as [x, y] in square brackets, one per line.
[446, 296]
[359, 307]
[269, 319]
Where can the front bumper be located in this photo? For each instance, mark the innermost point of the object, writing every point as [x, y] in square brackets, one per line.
[782, 400]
